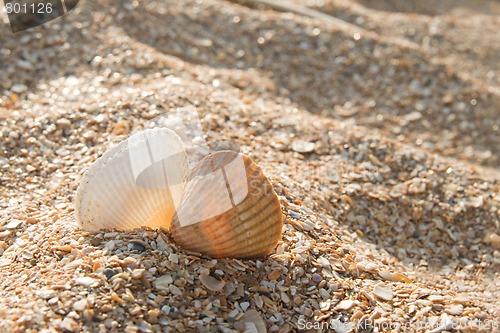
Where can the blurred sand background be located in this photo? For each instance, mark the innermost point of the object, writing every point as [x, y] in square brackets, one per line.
[377, 122]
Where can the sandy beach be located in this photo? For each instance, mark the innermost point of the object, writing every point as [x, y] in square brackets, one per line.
[376, 122]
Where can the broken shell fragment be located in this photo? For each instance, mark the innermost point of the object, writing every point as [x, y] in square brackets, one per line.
[383, 293]
[136, 183]
[211, 283]
[224, 207]
[229, 209]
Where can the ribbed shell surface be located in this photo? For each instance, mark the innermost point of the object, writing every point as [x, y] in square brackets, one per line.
[250, 228]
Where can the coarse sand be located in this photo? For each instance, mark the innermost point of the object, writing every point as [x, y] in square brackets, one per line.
[376, 121]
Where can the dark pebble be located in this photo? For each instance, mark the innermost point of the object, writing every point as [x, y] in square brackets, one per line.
[109, 273]
[174, 313]
[137, 247]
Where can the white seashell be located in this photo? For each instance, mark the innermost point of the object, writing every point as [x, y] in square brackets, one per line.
[163, 282]
[345, 304]
[301, 146]
[137, 183]
[494, 240]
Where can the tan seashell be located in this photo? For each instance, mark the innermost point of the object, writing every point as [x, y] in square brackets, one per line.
[124, 189]
[248, 227]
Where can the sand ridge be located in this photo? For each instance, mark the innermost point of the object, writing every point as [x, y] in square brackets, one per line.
[384, 154]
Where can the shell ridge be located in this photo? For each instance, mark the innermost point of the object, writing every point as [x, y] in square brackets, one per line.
[258, 235]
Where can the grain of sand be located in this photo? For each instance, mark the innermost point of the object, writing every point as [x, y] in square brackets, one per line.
[378, 129]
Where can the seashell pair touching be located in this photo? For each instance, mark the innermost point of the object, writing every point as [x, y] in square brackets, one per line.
[223, 207]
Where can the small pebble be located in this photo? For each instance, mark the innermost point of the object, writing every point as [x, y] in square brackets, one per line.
[494, 240]
[175, 290]
[173, 258]
[138, 273]
[85, 281]
[107, 307]
[80, 305]
[109, 273]
[301, 146]
[63, 123]
[394, 277]
[275, 274]
[253, 322]
[244, 305]
[96, 241]
[153, 316]
[13, 224]
[454, 309]
[317, 278]
[19, 88]
[163, 282]
[294, 215]
[161, 244]
[32, 220]
[46, 293]
[345, 304]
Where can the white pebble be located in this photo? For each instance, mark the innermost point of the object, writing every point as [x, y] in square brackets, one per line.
[384, 293]
[173, 258]
[161, 244]
[85, 281]
[345, 304]
[80, 305]
[301, 146]
[19, 88]
[163, 282]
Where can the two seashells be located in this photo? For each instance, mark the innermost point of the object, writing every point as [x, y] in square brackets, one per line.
[223, 208]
